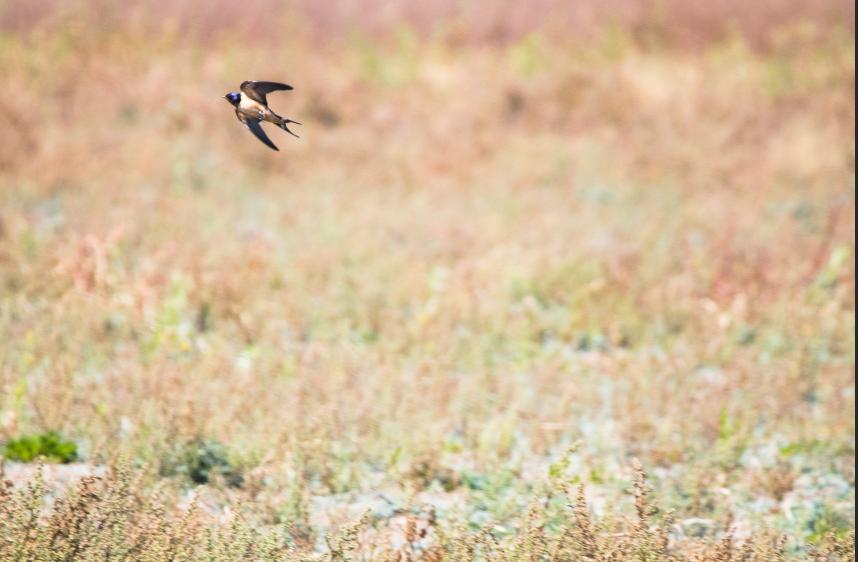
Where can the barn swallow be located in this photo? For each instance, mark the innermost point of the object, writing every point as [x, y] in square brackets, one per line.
[251, 108]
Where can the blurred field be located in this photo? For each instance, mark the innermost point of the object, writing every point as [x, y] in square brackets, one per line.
[675, 23]
[479, 252]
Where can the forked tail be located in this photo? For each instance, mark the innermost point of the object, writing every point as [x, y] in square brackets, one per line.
[283, 122]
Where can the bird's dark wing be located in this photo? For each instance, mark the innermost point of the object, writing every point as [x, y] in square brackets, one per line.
[256, 129]
[258, 90]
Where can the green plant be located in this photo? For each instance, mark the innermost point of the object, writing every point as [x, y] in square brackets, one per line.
[200, 460]
[49, 445]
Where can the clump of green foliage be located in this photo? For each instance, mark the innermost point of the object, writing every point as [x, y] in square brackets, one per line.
[49, 445]
[200, 461]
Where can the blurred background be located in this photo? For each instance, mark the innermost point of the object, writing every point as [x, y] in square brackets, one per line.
[665, 22]
[507, 226]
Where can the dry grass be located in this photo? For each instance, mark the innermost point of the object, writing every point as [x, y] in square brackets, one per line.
[115, 520]
[475, 255]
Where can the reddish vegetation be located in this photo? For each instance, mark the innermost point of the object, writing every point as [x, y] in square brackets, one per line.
[675, 22]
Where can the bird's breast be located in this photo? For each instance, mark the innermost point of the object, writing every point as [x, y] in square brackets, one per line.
[251, 108]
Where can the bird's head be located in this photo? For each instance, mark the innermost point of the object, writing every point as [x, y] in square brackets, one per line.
[233, 98]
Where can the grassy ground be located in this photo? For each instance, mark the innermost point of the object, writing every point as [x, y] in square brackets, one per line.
[475, 257]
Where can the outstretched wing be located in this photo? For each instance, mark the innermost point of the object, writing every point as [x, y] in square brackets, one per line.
[256, 129]
[258, 90]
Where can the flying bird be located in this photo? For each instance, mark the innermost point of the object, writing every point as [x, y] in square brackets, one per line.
[251, 108]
